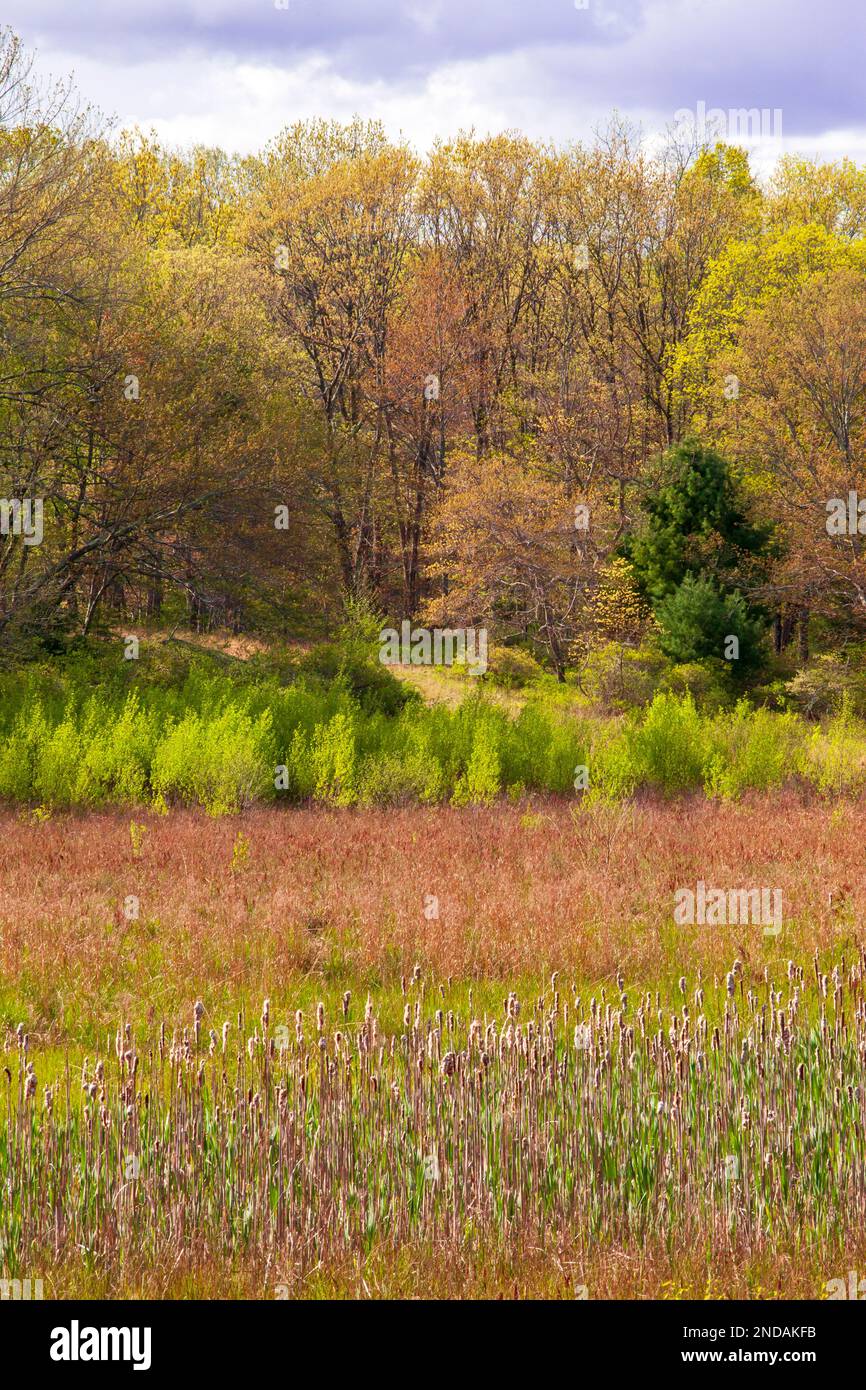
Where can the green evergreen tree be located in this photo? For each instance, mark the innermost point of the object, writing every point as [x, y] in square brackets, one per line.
[698, 621]
[696, 552]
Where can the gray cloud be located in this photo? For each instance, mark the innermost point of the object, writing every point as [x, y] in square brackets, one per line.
[647, 56]
[381, 38]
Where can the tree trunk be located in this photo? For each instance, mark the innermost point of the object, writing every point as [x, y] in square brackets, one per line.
[154, 600]
[804, 636]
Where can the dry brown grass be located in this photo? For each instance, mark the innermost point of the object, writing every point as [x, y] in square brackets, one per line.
[417, 1271]
[438, 686]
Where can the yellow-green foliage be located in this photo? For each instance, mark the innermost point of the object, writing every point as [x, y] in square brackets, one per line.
[226, 744]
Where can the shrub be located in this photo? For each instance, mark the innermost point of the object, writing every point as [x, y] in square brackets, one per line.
[668, 746]
[218, 741]
[224, 764]
[480, 782]
[754, 749]
[333, 756]
[365, 678]
[512, 668]
[828, 680]
[708, 682]
[619, 677]
[835, 756]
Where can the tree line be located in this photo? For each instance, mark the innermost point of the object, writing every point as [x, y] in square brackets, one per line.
[562, 391]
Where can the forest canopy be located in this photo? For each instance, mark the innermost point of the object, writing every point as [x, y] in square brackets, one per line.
[572, 394]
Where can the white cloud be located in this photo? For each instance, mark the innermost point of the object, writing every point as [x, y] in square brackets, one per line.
[235, 72]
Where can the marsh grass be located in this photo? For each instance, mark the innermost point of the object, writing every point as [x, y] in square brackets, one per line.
[557, 1123]
[325, 899]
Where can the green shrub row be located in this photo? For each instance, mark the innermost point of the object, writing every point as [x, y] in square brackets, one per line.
[224, 742]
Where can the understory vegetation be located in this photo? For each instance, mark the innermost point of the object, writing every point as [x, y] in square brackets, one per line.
[227, 739]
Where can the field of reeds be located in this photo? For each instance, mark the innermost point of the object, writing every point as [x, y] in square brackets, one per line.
[731, 1121]
[543, 1087]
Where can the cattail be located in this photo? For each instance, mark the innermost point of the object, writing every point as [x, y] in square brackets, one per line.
[346, 997]
[372, 1103]
[266, 1014]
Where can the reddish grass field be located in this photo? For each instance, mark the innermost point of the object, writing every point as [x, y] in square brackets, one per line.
[275, 902]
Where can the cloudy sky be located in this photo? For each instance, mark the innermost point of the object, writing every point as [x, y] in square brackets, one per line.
[234, 72]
